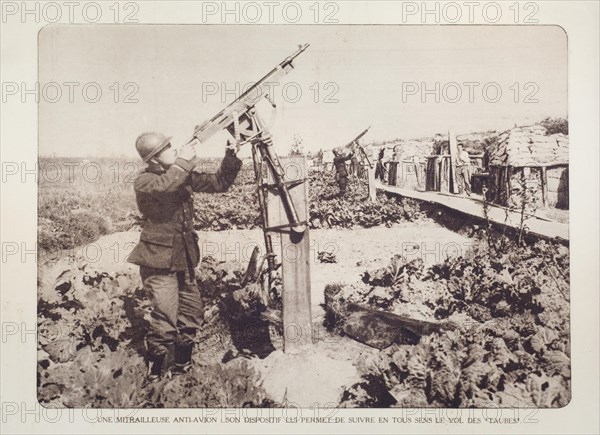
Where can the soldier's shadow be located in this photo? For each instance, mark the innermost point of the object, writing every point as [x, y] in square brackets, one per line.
[250, 337]
[250, 334]
[135, 306]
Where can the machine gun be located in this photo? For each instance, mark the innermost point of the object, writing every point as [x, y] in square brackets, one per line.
[237, 117]
[242, 121]
[354, 142]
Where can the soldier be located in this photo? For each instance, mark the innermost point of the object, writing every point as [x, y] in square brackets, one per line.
[360, 167]
[416, 161]
[320, 159]
[168, 252]
[463, 171]
[380, 171]
[341, 173]
[354, 164]
[393, 166]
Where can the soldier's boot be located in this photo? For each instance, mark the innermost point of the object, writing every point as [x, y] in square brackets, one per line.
[183, 358]
[158, 368]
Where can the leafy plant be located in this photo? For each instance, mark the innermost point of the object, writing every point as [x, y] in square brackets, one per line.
[512, 345]
[92, 325]
[327, 210]
[327, 257]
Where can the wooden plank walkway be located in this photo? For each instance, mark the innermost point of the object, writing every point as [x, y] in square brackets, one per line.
[473, 206]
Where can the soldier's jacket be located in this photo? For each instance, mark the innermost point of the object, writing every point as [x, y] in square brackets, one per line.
[165, 200]
[463, 158]
[340, 165]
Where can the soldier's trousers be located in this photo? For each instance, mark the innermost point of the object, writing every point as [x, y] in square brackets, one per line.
[360, 171]
[177, 312]
[342, 184]
[464, 179]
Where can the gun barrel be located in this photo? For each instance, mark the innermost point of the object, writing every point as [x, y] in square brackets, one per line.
[363, 133]
[358, 137]
[246, 99]
[295, 54]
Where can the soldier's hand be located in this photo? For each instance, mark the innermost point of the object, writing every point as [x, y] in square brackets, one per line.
[232, 147]
[266, 138]
[187, 152]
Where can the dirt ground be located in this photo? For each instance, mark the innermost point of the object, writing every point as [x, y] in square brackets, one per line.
[319, 374]
[356, 250]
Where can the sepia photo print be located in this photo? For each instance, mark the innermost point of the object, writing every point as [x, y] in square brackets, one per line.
[307, 216]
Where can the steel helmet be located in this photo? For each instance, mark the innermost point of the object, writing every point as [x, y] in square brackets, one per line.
[149, 145]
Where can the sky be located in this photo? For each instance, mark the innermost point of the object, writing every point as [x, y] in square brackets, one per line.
[169, 78]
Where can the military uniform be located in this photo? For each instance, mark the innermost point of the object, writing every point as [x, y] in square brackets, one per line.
[463, 172]
[168, 252]
[380, 170]
[353, 165]
[341, 173]
[360, 166]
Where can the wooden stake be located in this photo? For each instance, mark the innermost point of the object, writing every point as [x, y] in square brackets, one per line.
[453, 157]
[294, 257]
[544, 180]
[445, 174]
[508, 186]
[371, 183]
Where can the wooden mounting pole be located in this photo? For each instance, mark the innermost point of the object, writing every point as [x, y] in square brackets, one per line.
[544, 182]
[371, 183]
[453, 157]
[295, 256]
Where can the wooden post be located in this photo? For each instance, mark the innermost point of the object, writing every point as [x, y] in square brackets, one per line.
[438, 172]
[371, 183]
[453, 156]
[294, 257]
[508, 185]
[445, 174]
[544, 181]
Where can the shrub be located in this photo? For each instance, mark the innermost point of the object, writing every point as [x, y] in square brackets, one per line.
[354, 210]
[555, 125]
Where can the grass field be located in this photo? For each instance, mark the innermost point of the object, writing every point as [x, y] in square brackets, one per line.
[80, 200]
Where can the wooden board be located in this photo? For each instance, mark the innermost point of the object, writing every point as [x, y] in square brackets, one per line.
[474, 207]
[294, 256]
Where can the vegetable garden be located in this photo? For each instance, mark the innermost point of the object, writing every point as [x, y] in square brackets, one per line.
[507, 340]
